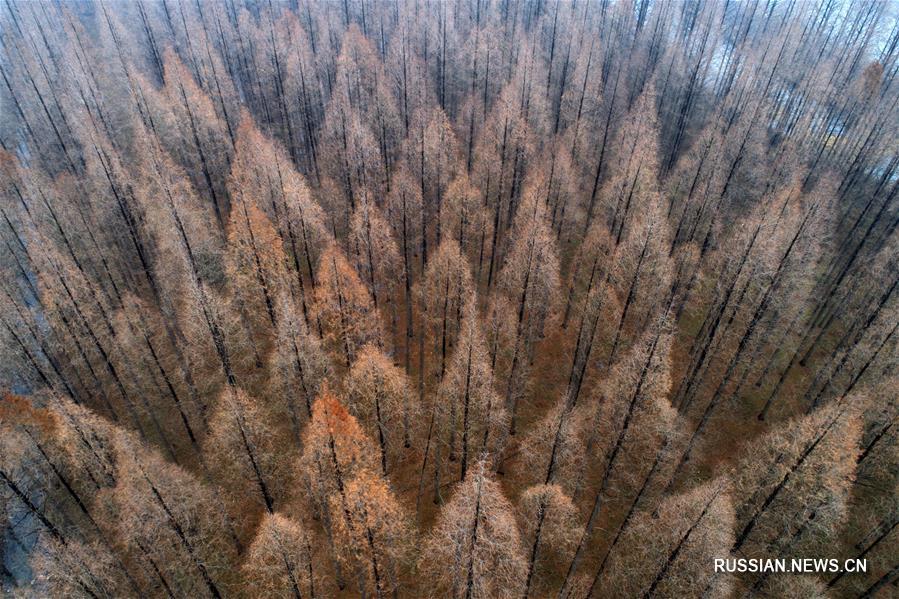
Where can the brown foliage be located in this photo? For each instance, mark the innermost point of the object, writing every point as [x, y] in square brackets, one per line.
[344, 308]
[475, 549]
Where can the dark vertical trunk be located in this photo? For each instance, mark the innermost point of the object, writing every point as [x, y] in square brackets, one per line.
[610, 463]
[182, 538]
[469, 583]
[532, 560]
[465, 412]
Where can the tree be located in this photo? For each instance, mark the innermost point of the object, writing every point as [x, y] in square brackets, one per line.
[869, 531]
[77, 568]
[499, 332]
[791, 492]
[263, 174]
[371, 533]
[165, 513]
[344, 308]
[242, 445]
[464, 218]
[530, 279]
[334, 447]
[357, 69]
[27, 357]
[631, 190]
[632, 418]
[377, 257]
[82, 317]
[470, 414]
[563, 194]
[279, 562]
[499, 151]
[405, 213]
[445, 291]
[475, 549]
[791, 246]
[193, 133]
[300, 88]
[81, 441]
[591, 278]
[72, 552]
[353, 157]
[65, 443]
[335, 450]
[641, 262]
[188, 262]
[578, 104]
[380, 396]
[669, 550]
[166, 386]
[298, 365]
[553, 449]
[256, 267]
[867, 343]
[432, 156]
[550, 522]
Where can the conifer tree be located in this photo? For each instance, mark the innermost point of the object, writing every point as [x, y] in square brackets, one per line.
[194, 133]
[445, 291]
[256, 264]
[475, 548]
[471, 416]
[632, 418]
[550, 522]
[263, 174]
[167, 514]
[344, 308]
[464, 218]
[530, 279]
[298, 368]
[377, 258]
[371, 533]
[870, 529]
[793, 490]
[380, 396]
[279, 562]
[405, 213]
[335, 450]
[669, 549]
[243, 444]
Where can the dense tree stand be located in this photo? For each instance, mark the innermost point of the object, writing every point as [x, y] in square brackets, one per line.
[448, 298]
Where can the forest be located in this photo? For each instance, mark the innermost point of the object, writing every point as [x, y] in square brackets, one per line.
[448, 298]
